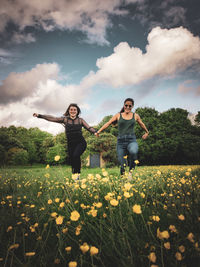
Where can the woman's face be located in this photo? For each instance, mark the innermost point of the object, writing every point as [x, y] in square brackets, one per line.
[128, 105]
[73, 111]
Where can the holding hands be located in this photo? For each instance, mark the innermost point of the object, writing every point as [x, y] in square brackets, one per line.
[35, 115]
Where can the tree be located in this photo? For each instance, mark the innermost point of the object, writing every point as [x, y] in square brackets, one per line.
[53, 151]
[17, 156]
[197, 119]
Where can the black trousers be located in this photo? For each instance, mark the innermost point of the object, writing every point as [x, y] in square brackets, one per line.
[75, 150]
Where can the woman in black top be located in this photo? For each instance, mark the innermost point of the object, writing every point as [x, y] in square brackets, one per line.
[73, 129]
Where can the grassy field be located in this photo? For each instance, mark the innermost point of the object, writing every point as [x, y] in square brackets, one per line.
[48, 219]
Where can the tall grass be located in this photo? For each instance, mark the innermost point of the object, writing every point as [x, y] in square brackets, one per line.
[48, 219]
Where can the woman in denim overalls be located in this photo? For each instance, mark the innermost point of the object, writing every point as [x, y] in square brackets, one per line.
[126, 141]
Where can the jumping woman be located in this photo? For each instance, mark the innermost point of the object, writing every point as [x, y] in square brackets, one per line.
[126, 140]
[73, 129]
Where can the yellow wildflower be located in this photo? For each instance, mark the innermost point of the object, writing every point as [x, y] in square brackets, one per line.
[9, 228]
[74, 215]
[181, 217]
[190, 237]
[181, 248]
[57, 261]
[57, 200]
[136, 162]
[72, 264]
[152, 257]
[178, 256]
[156, 218]
[59, 220]
[84, 248]
[137, 209]
[94, 251]
[68, 249]
[14, 246]
[172, 228]
[114, 202]
[167, 245]
[47, 167]
[163, 234]
[54, 214]
[30, 254]
[62, 204]
[98, 205]
[49, 201]
[57, 158]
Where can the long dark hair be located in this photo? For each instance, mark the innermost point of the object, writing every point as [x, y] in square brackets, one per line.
[128, 99]
[122, 110]
[72, 105]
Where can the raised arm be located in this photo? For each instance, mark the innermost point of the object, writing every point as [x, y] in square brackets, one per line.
[87, 127]
[107, 124]
[49, 118]
[142, 125]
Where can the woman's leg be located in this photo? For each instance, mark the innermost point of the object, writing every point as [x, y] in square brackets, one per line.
[132, 151]
[121, 153]
[76, 156]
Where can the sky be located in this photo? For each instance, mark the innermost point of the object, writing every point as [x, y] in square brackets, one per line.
[96, 53]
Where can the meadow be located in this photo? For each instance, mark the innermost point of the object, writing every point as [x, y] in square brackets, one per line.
[49, 219]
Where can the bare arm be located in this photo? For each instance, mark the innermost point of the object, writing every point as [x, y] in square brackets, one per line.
[49, 118]
[142, 125]
[114, 118]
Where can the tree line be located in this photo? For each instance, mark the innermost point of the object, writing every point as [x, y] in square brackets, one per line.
[173, 139]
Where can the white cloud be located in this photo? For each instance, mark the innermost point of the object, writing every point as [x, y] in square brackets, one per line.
[90, 16]
[19, 85]
[167, 52]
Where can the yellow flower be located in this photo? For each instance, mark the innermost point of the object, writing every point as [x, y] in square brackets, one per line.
[98, 205]
[172, 228]
[68, 249]
[181, 217]
[84, 248]
[167, 245]
[9, 228]
[127, 186]
[74, 215]
[57, 261]
[59, 220]
[114, 202]
[57, 158]
[136, 162]
[155, 218]
[137, 209]
[62, 204]
[54, 214]
[178, 256]
[14, 246]
[126, 194]
[190, 237]
[30, 254]
[105, 173]
[125, 157]
[64, 230]
[159, 172]
[72, 264]
[163, 234]
[94, 251]
[50, 202]
[181, 248]
[187, 173]
[142, 195]
[152, 257]
[47, 167]
[57, 200]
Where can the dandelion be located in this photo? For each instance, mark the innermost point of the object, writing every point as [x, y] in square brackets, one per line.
[57, 200]
[57, 261]
[74, 215]
[105, 173]
[65, 230]
[30, 254]
[49, 201]
[142, 195]
[57, 158]
[172, 228]
[178, 256]
[125, 157]
[98, 205]
[9, 228]
[47, 167]
[84, 248]
[159, 172]
[127, 186]
[187, 173]
[136, 162]
[152, 257]
[59, 220]
[137, 209]
[94, 251]
[114, 202]
[181, 217]
[127, 194]
[72, 264]
[167, 245]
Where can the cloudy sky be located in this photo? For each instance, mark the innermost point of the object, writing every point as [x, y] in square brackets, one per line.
[96, 53]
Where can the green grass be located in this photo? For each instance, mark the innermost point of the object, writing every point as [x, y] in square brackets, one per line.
[108, 222]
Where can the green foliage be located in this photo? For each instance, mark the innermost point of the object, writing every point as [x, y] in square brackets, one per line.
[197, 119]
[53, 151]
[17, 156]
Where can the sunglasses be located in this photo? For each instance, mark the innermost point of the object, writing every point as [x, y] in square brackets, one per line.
[128, 106]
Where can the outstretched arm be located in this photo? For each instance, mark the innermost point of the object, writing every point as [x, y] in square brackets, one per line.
[49, 118]
[114, 118]
[87, 127]
[142, 125]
